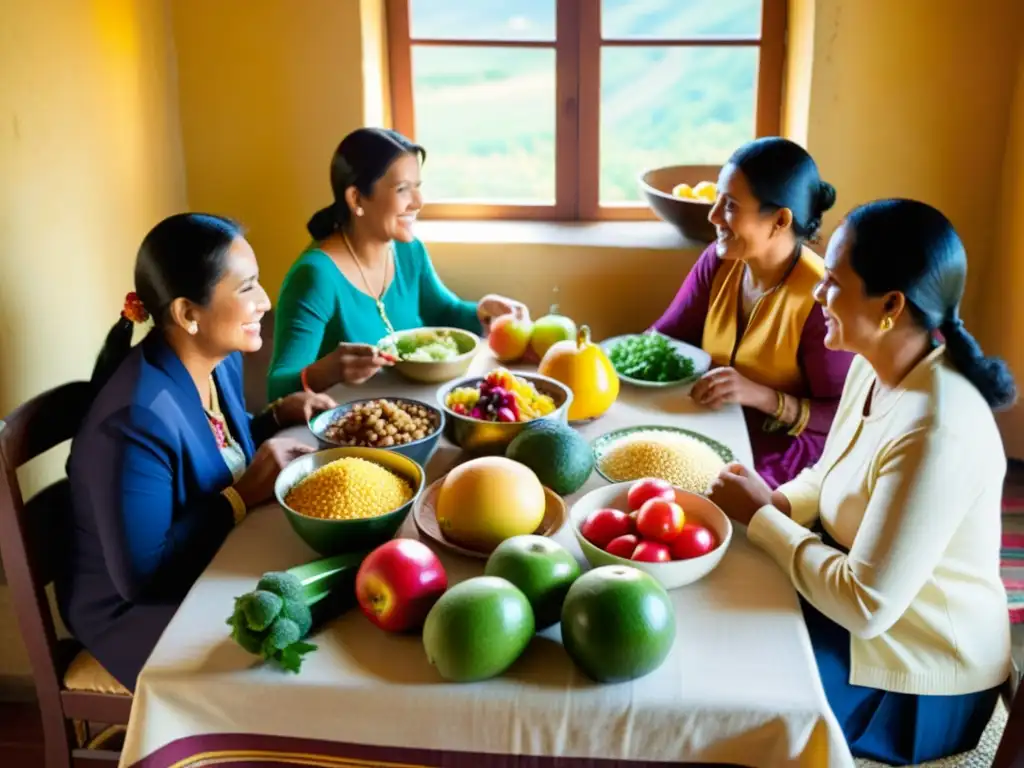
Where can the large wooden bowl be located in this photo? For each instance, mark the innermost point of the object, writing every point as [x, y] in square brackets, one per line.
[690, 217]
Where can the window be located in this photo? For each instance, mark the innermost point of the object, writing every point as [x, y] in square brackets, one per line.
[552, 109]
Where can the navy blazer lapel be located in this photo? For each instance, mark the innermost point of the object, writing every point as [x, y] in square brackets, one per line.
[161, 356]
[234, 410]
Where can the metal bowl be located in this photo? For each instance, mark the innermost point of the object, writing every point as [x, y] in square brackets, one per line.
[335, 537]
[491, 437]
[437, 371]
[419, 451]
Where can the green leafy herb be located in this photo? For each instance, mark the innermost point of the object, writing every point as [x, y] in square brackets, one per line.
[650, 357]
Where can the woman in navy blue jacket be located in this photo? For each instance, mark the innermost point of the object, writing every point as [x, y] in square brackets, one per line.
[167, 461]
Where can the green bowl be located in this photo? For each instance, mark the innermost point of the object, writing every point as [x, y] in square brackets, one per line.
[335, 537]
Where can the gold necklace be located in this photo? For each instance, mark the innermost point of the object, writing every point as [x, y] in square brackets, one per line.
[379, 298]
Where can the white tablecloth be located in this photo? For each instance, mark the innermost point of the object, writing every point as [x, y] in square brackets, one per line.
[740, 685]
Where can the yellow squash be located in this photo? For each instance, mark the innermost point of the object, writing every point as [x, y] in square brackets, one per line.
[585, 369]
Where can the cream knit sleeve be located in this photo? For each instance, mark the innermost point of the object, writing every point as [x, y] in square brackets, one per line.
[921, 490]
[804, 490]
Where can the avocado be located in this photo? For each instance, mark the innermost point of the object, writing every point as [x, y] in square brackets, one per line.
[560, 457]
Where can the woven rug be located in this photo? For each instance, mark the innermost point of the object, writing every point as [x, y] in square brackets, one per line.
[1013, 557]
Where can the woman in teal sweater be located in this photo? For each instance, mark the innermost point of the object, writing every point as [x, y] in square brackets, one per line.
[365, 275]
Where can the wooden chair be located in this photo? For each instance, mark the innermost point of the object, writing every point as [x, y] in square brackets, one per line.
[72, 688]
[1010, 753]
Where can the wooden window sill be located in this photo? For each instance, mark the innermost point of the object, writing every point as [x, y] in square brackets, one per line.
[648, 235]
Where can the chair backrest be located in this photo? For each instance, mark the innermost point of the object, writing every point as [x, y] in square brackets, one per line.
[256, 366]
[33, 535]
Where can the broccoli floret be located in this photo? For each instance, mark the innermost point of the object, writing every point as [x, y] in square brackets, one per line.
[283, 633]
[282, 584]
[261, 608]
[245, 637]
[299, 613]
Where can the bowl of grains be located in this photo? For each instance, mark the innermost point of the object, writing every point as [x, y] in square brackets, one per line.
[348, 499]
[404, 426]
[685, 459]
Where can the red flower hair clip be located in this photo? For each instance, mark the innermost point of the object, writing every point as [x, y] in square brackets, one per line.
[133, 309]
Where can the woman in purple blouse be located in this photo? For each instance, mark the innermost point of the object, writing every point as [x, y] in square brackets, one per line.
[748, 303]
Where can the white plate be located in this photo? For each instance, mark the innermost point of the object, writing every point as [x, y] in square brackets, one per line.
[701, 362]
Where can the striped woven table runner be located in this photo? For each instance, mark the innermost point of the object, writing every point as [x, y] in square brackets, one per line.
[1013, 557]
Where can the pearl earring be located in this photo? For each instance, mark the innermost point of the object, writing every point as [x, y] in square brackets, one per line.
[193, 328]
[359, 211]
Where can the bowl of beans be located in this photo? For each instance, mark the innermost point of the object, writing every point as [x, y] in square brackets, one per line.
[404, 426]
[348, 499]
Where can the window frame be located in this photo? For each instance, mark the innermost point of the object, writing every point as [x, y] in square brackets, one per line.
[578, 44]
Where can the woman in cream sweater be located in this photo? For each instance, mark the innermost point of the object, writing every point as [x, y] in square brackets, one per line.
[892, 538]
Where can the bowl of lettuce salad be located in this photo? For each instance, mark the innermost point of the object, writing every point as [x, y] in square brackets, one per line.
[431, 355]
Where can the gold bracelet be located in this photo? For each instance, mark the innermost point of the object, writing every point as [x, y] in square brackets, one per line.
[781, 409]
[237, 505]
[272, 408]
[805, 416]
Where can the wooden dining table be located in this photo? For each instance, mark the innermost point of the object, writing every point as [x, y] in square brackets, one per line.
[740, 685]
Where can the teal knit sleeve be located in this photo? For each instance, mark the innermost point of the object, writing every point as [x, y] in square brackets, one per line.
[304, 307]
[438, 305]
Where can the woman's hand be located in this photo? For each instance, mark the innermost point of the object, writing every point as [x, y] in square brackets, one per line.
[740, 492]
[721, 386]
[300, 407]
[350, 364]
[257, 484]
[492, 305]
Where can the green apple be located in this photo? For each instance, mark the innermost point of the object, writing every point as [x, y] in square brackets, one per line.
[541, 568]
[549, 330]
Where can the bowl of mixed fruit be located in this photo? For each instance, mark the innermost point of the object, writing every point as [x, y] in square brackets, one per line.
[484, 413]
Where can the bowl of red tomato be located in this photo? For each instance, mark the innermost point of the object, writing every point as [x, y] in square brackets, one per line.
[676, 536]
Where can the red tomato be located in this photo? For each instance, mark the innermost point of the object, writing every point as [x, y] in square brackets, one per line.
[651, 552]
[660, 520]
[693, 541]
[649, 488]
[603, 525]
[622, 546]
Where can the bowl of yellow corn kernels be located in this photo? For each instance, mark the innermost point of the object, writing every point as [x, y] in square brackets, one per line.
[347, 499]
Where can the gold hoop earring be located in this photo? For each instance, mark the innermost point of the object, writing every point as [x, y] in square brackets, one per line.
[193, 328]
[886, 324]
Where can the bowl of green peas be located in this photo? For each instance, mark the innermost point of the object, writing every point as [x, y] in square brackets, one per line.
[655, 360]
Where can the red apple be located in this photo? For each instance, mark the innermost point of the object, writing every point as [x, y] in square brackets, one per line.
[509, 337]
[649, 488]
[603, 525]
[398, 583]
[660, 520]
[693, 541]
[651, 552]
[622, 546]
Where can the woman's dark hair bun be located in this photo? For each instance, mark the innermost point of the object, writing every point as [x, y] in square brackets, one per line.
[909, 247]
[826, 196]
[361, 160]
